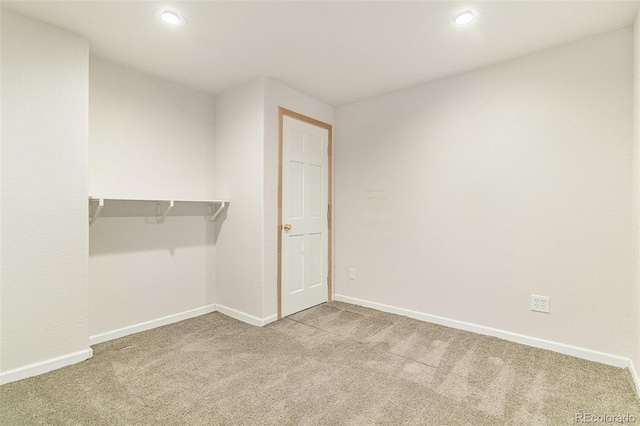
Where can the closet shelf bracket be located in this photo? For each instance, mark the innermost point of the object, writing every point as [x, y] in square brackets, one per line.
[93, 215]
[160, 216]
[214, 215]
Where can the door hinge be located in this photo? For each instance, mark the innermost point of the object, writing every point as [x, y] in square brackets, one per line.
[329, 212]
[329, 150]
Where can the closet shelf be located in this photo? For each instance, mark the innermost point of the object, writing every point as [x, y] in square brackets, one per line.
[162, 206]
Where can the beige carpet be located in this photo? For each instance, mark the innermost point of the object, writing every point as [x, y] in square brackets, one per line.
[335, 364]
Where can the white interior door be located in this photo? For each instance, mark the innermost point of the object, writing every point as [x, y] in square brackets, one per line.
[305, 180]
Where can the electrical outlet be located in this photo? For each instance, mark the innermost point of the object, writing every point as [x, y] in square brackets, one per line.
[540, 304]
[352, 273]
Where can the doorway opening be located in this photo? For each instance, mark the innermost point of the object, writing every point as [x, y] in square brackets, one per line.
[304, 212]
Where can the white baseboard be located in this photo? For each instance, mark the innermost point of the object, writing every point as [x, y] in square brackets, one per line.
[148, 325]
[269, 319]
[588, 354]
[635, 377]
[38, 368]
[66, 360]
[244, 317]
[170, 319]
[73, 358]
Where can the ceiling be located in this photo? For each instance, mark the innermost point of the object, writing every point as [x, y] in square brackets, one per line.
[337, 52]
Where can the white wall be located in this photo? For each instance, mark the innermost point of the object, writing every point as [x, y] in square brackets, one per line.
[462, 197]
[0, 192]
[278, 95]
[148, 138]
[636, 157]
[239, 153]
[44, 195]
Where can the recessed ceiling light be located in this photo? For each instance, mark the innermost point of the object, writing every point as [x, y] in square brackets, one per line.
[170, 17]
[463, 18]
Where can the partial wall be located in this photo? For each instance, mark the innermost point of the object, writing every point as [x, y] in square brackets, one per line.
[239, 152]
[44, 264]
[636, 194]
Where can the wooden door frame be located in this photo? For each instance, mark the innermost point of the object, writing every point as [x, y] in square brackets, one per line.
[282, 112]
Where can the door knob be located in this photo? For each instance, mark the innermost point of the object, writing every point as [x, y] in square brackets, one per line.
[287, 227]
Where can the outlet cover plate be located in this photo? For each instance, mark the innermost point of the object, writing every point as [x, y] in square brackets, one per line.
[352, 273]
[540, 303]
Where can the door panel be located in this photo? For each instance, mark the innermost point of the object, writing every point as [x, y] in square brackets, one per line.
[296, 262]
[313, 264]
[296, 190]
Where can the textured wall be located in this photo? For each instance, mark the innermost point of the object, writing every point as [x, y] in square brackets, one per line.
[1, 114]
[636, 136]
[44, 190]
[462, 197]
[239, 153]
[149, 138]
